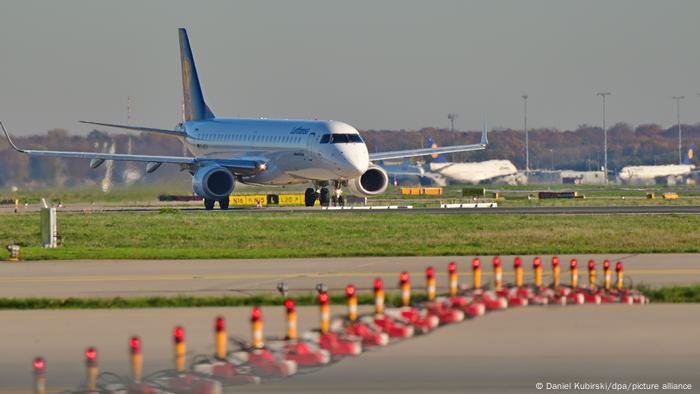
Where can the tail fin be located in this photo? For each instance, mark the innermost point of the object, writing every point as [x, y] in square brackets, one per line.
[195, 107]
[689, 155]
[434, 158]
[484, 132]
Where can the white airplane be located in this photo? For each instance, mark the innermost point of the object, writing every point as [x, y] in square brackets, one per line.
[261, 151]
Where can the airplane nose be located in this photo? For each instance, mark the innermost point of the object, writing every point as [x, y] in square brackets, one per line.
[358, 164]
[354, 163]
[359, 160]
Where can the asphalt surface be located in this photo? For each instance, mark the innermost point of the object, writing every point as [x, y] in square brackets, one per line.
[557, 210]
[131, 278]
[504, 352]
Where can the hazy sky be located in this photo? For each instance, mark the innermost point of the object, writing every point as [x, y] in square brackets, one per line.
[374, 64]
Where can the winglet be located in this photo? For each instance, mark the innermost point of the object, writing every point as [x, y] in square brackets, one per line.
[10, 139]
[484, 133]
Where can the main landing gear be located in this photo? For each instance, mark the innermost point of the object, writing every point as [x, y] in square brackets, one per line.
[309, 197]
[209, 203]
[324, 196]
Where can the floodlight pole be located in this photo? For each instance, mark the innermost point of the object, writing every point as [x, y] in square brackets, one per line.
[605, 138]
[680, 131]
[527, 142]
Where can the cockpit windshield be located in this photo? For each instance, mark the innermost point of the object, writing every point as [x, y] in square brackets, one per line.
[345, 138]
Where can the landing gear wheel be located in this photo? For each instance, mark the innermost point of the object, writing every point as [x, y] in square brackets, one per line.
[209, 204]
[341, 201]
[223, 204]
[325, 197]
[310, 197]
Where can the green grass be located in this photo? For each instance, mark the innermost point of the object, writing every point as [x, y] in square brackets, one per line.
[182, 301]
[516, 196]
[183, 235]
[147, 194]
[672, 294]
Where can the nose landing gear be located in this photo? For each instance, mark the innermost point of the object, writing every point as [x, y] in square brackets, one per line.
[338, 200]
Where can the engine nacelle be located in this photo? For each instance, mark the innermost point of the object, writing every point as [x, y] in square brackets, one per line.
[213, 182]
[373, 182]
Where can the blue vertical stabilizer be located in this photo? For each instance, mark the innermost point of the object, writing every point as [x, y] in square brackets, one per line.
[195, 107]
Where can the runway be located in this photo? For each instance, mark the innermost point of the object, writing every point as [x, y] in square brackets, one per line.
[131, 278]
[505, 352]
[548, 210]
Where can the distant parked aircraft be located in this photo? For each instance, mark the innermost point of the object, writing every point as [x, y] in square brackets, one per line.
[667, 173]
[438, 171]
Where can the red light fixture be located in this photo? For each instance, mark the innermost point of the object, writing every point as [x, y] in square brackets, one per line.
[555, 261]
[496, 261]
[618, 266]
[91, 354]
[591, 265]
[537, 262]
[430, 272]
[290, 304]
[476, 263]
[323, 298]
[135, 345]
[39, 363]
[518, 262]
[255, 314]
[404, 277]
[350, 291]
[378, 284]
[179, 334]
[573, 264]
[220, 324]
[452, 267]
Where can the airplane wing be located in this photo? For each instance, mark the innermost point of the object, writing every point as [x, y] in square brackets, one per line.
[176, 133]
[237, 166]
[432, 151]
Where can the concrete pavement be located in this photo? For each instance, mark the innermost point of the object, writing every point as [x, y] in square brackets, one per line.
[129, 278]
[508, 352]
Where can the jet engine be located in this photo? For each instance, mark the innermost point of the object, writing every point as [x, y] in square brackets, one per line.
[213, 182]
[373, 182]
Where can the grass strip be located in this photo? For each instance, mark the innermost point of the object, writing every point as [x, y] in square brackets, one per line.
[673, 294]
[193, 235]
[669, 294]
[181, 301]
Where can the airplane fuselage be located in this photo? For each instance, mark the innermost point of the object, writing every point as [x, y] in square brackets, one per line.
[297, 150]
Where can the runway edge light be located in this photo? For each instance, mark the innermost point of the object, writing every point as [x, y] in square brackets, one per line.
[39, 375]
[91, 367]
[180, 348]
